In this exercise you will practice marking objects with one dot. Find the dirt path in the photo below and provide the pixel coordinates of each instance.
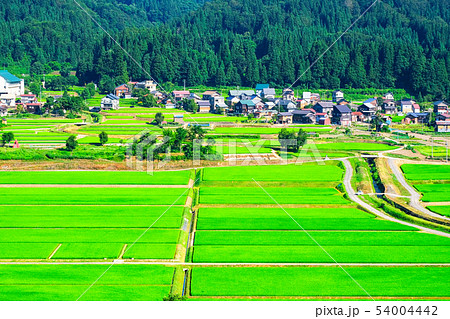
(415, 196)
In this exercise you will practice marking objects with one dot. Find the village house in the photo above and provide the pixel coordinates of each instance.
(306, 116)
(260, 88)
(307, 97)
(409, 106)
(169, 105)
(284, 118)
(204, 106)
(389, 97)
(122, 91)
(416, 118)
(324, 107)
(337, 96)
(268, 93)
(216, 101)
(323, 119)
(178, 118)
(288, 94)
(148, 84)
(358, 117)
(3, 111)
(34, 108)
(440, 107)
(286, 105)
(389, 107)
(158, 95)
(315, 98)
(245, 107)
(302, 103)
(28, 98)
(239, 93)
(11, 87)
(368, 109)
(181, 95)
(110, 102)
(342, 115)
(442, 123)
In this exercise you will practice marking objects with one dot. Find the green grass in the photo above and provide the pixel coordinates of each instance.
(298, 173)
(320, 281)
(88, 251)
(95, 177)
(26, 250)
(314, 254)
(419, 172)
(234, 212)
(326, 238)
(224, 149)
(270, 195)
(84, 196)
(307, 223)
(434, 192)
(264, 130)
(355, 147)
(68, 282)
(87, 235)
(150, 251)
(96, 140)
(143, 110)
(443, 210)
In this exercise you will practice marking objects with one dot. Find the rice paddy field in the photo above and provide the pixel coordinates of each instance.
(295, 214)
(433, 182)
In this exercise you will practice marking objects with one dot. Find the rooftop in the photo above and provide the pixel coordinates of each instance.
(9, 77)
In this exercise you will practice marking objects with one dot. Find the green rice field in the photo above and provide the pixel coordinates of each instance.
(355, 147)
(68, 282)
(420, 172)
(95, 177)
(443, 210)
(320, 281)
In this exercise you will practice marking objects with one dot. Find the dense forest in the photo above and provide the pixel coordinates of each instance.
(398, 43)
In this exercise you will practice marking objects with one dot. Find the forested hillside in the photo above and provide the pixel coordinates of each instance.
(398, 43)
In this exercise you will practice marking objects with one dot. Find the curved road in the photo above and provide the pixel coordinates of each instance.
(415, 196)
(356, 199)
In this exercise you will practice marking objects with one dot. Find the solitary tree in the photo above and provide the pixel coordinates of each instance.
(159, 118)
(103, 136)
(71, 143)
(7, 137)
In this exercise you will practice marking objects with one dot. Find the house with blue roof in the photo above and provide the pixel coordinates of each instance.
(11, 88)
(260, 88)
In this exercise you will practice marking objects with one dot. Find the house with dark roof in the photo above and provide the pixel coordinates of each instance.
(324, 107)
(440, 107)
(306, 116)
(389, 107)
(3, 111)
(204, 106)
(416, 118)
(367, 109)
(286, 105)
(245, 107)
(342, 115)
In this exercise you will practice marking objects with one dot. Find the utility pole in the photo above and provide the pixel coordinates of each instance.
(446, 151)
(432, 153)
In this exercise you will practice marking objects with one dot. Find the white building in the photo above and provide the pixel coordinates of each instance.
(11, 87)
(337, 96)
(149, 85)
(110, 102)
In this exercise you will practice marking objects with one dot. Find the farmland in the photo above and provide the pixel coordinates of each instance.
(316, 281)
(242, 223)
(68, 282)
(433, 181)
